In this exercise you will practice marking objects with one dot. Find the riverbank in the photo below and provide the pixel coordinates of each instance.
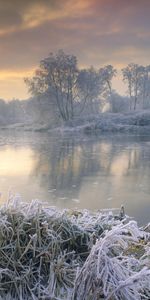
(137, 122)
(46, 253)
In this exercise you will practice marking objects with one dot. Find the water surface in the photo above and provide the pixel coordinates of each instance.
(93, 172)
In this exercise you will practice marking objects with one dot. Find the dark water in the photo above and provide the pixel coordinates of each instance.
(78, 171)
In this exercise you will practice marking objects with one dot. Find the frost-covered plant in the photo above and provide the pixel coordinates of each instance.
(110, 274)
(50, 254)
(42, 247)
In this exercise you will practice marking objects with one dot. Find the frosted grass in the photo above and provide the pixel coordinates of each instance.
(46, 253)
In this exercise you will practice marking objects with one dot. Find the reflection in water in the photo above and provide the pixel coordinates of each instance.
(79, 171)
(62, 166)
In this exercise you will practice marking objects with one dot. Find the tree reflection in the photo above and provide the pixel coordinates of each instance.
(98, 172)
(61, 165)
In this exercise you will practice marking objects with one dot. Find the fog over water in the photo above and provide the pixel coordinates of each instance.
(93, 172)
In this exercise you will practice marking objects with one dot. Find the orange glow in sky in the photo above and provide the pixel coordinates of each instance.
(98, 32)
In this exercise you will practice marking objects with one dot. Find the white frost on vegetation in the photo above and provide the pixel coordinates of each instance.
(109, 273)
(50, 254)
(137, 122)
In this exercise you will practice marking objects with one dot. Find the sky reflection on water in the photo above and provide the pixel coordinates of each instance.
(80, 171)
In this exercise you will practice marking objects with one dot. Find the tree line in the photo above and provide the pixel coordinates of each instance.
(61, 91)
(71, 90)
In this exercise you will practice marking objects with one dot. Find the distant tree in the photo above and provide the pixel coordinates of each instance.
(127, 78)
(107, 73)
(90, 86)
(120, 103)
(3, 112)
(14, 110)
(145, 86)
(133, 75)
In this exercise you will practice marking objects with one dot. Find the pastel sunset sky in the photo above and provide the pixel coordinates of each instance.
(98, 32)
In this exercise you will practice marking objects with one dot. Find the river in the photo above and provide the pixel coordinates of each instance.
(93, 172)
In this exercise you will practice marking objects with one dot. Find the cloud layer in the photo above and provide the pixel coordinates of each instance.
(99, 32)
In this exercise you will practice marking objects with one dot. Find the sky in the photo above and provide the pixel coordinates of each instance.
(98, 32)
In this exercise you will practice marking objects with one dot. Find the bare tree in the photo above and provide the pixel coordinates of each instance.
(107, 73)
(90, 87)
(133, 75)
(145, 86)
(59, 78)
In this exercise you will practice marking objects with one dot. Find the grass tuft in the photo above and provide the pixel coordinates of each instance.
(43, 251)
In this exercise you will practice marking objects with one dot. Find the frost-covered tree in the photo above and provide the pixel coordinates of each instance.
(145, 86)
(90, 86)
(59, 78)
(107, 73)
(119, 103)
(133, 75)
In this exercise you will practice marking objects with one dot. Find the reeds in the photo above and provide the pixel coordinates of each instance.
(45, 253)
